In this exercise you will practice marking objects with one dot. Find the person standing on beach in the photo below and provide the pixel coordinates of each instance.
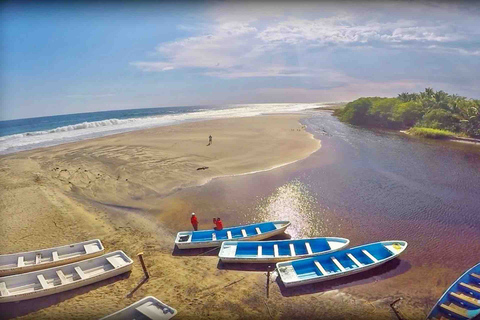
(209, 140)
(219, 224)
(194, 221)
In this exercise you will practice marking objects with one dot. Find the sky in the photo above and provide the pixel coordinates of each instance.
(61, 57)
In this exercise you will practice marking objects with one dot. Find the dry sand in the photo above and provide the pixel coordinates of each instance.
(101, 188)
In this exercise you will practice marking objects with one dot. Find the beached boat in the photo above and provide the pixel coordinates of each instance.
(339, 264)
(278, 250)
(214, 238)
(147, 308)
(58, 279)
(46, 258)
(462, 299)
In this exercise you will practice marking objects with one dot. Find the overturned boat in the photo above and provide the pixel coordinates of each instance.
(214, 238)
(278, 250)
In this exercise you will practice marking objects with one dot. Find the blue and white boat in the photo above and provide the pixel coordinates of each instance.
(278, 250)
(339, 264)
(462, 298)
(214, 238)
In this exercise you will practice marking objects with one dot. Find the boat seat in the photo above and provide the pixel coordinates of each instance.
(275, 250)
(62, 277)
(244, 233)
(292, 250)
(214, 237)
(80, 273)
(309, 249)
(338, 264)
(470, 287)
(150, 311)
(320, 268)
(43, 282)
(475, 276)
(258, 230)
(368, 254)
(55, 256)
(464, 297)
(38, 258)
(89, 248)
(259, 251)
(453, 310)
(114, 262)
(229, 235)
(3, 289)
(20, 262)
(358, 263)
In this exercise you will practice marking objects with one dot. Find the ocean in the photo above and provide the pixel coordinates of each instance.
(26, 134)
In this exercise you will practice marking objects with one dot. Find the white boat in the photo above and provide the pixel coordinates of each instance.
(278, 250)
(214, 238)
(22, 262)
(62, 278)
(339, 264)
(147, 308)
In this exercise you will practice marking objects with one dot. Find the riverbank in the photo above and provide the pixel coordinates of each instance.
(439, 135)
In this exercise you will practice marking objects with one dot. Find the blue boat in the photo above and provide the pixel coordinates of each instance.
(339, 264)
(462, 299)
(214, 238)
(278, 250)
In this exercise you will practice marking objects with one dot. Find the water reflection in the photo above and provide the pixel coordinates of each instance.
(293, 202)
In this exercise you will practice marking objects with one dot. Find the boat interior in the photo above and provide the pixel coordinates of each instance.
(233, 233)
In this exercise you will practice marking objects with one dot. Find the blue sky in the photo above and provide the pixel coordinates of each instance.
(60, 58)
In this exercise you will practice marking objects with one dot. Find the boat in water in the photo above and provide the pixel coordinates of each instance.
(461, 300)
(22, 262)
(214, 238)
(146, 308)
(62, 278)
(278, 250)
(339, 264)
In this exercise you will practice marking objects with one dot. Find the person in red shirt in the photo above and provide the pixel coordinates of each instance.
(219, 224)
(194, 221)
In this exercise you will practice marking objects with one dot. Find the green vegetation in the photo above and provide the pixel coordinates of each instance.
(431, 133)
(429, 109)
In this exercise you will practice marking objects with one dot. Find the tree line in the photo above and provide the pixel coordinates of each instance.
(428, 109)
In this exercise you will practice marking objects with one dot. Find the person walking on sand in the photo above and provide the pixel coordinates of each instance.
(209, 140)
(194, 221)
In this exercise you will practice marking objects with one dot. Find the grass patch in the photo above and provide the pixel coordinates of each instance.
(431, 133)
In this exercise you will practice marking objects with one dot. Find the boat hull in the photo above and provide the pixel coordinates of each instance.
(281, 226)
(148, 306)
(278, 250)
(323, 268)
(53, 286)
(9, 263)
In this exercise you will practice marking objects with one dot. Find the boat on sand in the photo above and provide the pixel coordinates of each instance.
(461, 300)
(339, 264)
(214, 238)
(22, 262)
(62, 278)
(146, 308)
(278, 250)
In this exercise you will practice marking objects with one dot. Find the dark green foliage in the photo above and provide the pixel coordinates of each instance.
(431, 109)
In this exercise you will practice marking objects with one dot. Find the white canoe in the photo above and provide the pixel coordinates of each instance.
(147, 308)
(339, 264)
(214, 238)
(22, 262)
(278, 250)
(58, 279)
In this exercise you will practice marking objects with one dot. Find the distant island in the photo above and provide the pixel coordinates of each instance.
(432, 114)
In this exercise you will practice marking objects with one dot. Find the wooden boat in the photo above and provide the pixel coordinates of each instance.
(46, 258)
(214, 238)
(462, 299)
(58, 279)
(278, 250)
(146, 308)
(339, 264)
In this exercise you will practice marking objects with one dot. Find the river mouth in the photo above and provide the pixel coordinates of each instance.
(365, 185)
